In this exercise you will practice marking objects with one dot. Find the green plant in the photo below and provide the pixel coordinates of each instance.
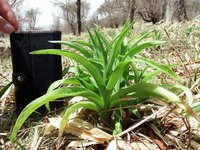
(3, 90)
(191, 30)
(107, 72)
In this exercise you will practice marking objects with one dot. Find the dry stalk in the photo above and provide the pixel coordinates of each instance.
(141, 122)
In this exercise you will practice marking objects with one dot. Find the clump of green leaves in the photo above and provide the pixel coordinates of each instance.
(106, 73)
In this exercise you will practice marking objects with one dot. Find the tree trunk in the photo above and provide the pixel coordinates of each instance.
(78, 3)
(176, 11)
(132, 10)
(164, 9)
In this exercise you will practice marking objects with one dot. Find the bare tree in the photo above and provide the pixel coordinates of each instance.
(176, 10)
(192, 8)
(56, 23)
(78, 3)
(157, 10)
(15, 3)
(116, 12)
(110, 11)
(30, 17)
(152, 10)
(69, 13)
(127, 8)
(132, 8)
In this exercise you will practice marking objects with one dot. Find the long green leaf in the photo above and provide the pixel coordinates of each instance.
(122, 35)
(116, 46)
(186, 90)
(136, 73)
(86, 84)
(94, 71)
(5, 89)
(65, 71)
(97, 62)
(138, 40)
(148, 90)
(150, 75)
(51, 96)
(189, 97)
(101, 47)
(83, 43)
(162, 68)
(54, 86)
(76, 47)
(196, 108)
(82, 104)
(124, 28)
(104, 38)
(142, 46)
(144, 69)
(60, 82)
(96, 49)
(117, 74)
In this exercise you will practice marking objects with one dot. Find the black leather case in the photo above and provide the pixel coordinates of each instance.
(32, 74)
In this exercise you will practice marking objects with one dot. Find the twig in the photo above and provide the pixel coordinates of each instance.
(168, 113)
(1, 75)
(188, 127)
(141, 122)
(35, 139)
(39, 142)
(197, 83)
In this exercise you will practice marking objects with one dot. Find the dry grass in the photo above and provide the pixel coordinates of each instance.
(161, 126)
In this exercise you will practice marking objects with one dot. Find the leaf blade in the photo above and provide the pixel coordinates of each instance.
(162, 68)
(116, 74)
(141, 47)
(5, 89)
(76, 47)
(148, 89)
(51, 96)
(64, 121)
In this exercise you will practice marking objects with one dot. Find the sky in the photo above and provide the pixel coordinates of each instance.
(47, 10)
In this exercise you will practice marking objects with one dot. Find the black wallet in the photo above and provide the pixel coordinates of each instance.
(32, 74)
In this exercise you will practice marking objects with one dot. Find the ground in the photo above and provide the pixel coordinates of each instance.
(161, 126)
